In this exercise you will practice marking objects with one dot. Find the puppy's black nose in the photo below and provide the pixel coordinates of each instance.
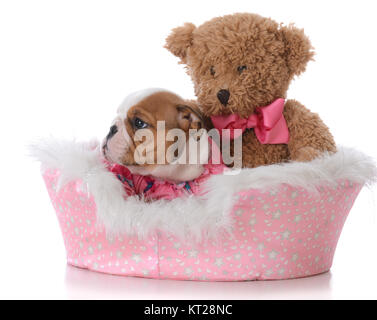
(113, 131)
(223, 96)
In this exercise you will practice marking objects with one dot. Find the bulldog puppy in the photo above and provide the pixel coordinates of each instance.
(127, 143)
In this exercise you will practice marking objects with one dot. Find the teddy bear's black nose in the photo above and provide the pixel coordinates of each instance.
(223, 96)
(113, 131)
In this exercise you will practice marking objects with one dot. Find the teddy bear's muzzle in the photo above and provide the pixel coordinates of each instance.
(223, 96)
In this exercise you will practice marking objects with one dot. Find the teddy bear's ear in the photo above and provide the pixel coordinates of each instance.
(180, 39)
(299, 50)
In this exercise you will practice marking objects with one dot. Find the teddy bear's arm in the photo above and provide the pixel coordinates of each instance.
(309, 136)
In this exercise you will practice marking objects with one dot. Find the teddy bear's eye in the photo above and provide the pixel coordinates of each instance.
(212, 70)
(240, 69)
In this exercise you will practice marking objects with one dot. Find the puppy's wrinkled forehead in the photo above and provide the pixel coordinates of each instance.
(150, 99)
(135, 98)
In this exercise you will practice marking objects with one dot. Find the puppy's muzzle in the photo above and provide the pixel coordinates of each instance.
(117, 142)
(112, 132)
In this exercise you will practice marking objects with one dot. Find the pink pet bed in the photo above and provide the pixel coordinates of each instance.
(276, 222)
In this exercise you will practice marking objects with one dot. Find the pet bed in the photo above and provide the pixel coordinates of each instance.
(275, 222)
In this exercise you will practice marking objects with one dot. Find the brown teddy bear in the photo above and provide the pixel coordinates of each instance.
(241, 66)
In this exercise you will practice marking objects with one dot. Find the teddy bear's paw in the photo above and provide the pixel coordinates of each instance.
(305, 154)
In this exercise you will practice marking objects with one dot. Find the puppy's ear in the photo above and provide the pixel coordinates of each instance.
(179, 40)
(189, 118)
(298, 48)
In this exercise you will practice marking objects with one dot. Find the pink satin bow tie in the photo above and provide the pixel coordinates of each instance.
(268, 122)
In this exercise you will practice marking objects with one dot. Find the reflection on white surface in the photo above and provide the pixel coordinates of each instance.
(84, 284)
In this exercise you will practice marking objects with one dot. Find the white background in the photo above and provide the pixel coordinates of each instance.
(66, 65)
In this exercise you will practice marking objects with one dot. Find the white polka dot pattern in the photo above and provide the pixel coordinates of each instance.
(284, 234)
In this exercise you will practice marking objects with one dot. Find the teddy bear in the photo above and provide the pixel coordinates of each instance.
(241, 66)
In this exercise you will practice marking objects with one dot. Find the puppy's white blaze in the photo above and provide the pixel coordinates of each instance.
(136, 97)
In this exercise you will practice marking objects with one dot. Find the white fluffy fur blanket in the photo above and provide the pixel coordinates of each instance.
(195, 217)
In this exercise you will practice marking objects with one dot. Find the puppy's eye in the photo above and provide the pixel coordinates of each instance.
(212, 70)
(240, 69)
(140, 124)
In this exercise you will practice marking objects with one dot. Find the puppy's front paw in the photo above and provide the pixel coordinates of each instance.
(305, 154)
